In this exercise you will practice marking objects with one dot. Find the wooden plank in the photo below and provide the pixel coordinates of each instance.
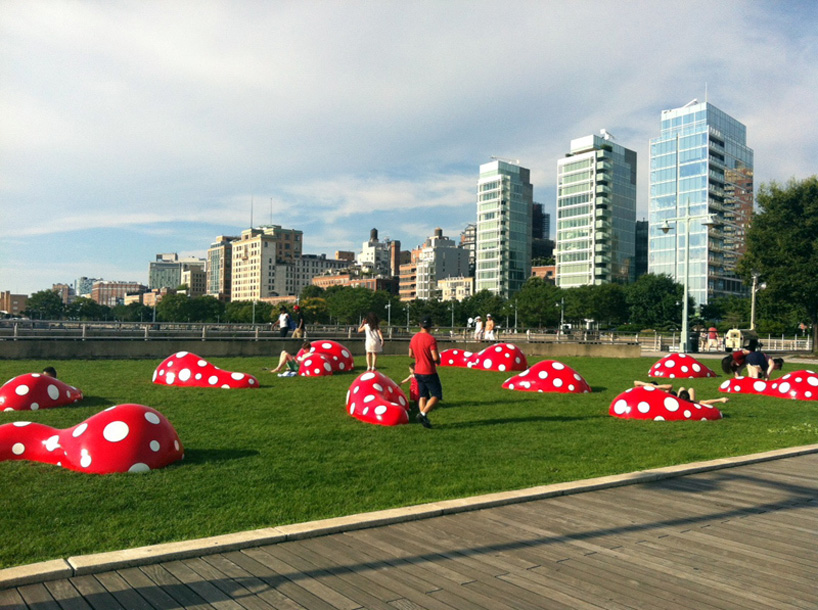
(37, 595)
(154, 593)
(204, 589)
(10, 599)
(225, 584)
(324, 570)
(171, 585)
(555, 592)
(309, 591)
(506, 587)
(116, 586)
(66, 595)
(94, 593)
(261, 589)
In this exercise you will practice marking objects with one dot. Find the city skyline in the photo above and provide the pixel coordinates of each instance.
(136, 128)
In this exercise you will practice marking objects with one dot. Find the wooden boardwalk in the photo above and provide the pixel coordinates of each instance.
(743, 537)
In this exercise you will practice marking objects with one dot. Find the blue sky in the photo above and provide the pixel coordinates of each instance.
(133, 128)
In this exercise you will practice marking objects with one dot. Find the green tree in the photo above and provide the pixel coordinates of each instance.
(537, 304)
(206, 309)
(655, 301)
(312, 292)
(44, 305)
(83, 308)
(174, 308)
(782, 245)
(132, 312)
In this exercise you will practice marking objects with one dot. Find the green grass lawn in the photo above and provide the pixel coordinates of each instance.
(289, 452)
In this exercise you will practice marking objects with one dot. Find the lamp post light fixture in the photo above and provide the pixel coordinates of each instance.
(389, 314)
(708, 220)
(756, 288)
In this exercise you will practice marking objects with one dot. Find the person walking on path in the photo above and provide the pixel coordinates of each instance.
(423, 349)
(298, 333)
(374, 339)
(489, 334)
(478, 329)
(283, 322)
(712, 338)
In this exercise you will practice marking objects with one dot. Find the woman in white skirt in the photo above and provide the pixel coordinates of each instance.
(374, 339)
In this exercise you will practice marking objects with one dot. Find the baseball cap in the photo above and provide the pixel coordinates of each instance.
(426, 322)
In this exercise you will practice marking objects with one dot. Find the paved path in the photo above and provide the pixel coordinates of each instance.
(741, 537)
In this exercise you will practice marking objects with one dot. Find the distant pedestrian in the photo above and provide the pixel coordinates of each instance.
(423, 349)
(299, 331)
(712, 339)
(373, 344)
(478, 328)
(283, 322)
(489, 334)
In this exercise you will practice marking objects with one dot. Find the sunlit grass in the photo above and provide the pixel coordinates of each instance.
(288, 452)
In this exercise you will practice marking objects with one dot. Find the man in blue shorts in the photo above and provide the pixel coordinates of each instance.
(423, 348)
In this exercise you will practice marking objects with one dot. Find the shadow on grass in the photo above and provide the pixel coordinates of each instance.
(204, 456)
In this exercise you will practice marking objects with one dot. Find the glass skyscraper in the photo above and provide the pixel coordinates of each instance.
(505, 199)
(596, 213)
(700, 164)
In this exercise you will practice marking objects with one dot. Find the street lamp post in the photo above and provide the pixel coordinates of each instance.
(389, 314)
(709, 221)
(756, 288)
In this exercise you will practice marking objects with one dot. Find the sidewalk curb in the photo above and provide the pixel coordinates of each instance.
(114, 560)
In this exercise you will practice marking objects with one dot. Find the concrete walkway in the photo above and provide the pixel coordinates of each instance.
(732, 533)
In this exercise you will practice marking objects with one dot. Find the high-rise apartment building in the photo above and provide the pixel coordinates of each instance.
(439, 258)
(166, 270)
(596, 212)
(256, 256)
(505, 200)
(220, 267)
(700, 166)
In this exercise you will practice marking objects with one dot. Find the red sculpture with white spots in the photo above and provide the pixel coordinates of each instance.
(648, 402)
(189, 370)
(375, 399)
(315, 364)
(549, 376)
(798, 385)
(744, 385)
(123, 438)
(339, 356)
(499, 357)
(680, 366)
(34, 391)
(455, 357)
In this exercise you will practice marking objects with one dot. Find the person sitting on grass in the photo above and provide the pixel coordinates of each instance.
(688, 394)
(50, 371)
(287, 361)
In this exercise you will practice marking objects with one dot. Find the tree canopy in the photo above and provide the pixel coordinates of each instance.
(782, 245)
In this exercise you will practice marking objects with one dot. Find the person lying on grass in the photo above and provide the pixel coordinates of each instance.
(685, 394)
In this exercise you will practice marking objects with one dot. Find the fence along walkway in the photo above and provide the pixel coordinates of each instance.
(742, 537)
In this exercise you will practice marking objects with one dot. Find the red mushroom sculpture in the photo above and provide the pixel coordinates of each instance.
(798, 385)
(189, 370)
(549, 376)
(123, 438)
(339, 356)
(315, 364)
(648, 402)
(34, 391)
(500, 357)
(744, 385)
(376, 399)
(680, 366)
(455, 357)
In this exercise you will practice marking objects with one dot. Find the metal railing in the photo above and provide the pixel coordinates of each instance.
(31, 330)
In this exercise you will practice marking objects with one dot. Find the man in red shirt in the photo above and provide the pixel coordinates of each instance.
(423, 348)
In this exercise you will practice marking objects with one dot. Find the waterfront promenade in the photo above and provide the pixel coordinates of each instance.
(736, 533)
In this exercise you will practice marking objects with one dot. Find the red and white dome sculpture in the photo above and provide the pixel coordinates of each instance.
(798, 385)
(123, 438)
(455, 357)
(375, 399)
(680, 366)
(189, 370)
(315, 364)
(548, 376)
(500, 357)
(34, 391)
(648, 402)
(338, 355)
(744, 385)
